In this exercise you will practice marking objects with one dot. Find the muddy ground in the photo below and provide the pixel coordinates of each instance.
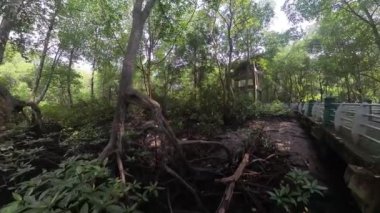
(291, 139)
(284, 144)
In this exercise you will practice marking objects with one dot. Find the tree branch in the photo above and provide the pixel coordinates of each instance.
(351, 10)
(148, 7)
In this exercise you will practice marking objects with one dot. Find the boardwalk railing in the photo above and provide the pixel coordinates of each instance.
(358, 123)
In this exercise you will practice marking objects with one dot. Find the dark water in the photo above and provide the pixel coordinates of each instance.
(338, 198)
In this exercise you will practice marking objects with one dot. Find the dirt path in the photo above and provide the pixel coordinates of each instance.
(290, 138)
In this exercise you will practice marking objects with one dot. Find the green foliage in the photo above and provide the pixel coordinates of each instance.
(203, 115)
(275, 108)
(81, 114)
(295, 191)
(16, 73)
(343, 51)
(16, 159)
(244, 108)
(79, 186)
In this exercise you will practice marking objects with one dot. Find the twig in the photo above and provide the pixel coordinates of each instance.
(238, 172)
(169, 203)
(228, 193)
(260, 159)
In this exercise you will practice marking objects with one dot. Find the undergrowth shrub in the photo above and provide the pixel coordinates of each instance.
(296, 190)
(79, 186)
(81, 114)
(275, 108)
(202, 114)
(206, 114)
(241, 109)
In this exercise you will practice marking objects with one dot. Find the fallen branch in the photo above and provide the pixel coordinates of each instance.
(228, 193)
(261, 159)
(231, 180)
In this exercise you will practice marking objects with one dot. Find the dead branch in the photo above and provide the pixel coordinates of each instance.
(231, 180)
(262, 160)
(228, 193)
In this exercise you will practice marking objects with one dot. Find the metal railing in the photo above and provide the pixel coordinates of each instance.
(317, 111)
(360, 122)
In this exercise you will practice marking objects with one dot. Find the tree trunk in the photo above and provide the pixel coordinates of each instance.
(127, 95)
(195, 73)
(349, 99)
(140, 15)
(149, 62)
(253, 81)
(93, 79)
(230, 52)
(7, 23)
(5, 29)
(109, 97)
(44, 51)
(71, 59)
(53, 66)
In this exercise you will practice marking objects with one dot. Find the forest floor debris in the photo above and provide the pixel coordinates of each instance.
(232, 172)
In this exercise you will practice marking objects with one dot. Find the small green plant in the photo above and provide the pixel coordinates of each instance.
(295, 191)
(79, 186)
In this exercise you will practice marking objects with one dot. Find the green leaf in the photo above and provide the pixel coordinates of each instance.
(11, 207)
(115, 209)
(271, 194)
(16, 196)
(84, 208)
(42, 195)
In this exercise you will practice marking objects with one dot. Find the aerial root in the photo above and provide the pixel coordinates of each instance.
(190, 188)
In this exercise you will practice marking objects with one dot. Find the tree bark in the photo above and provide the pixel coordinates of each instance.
(93, 80)
(52, 69)
(228, 89)
(149, 62)
(195, 73)
(71, 59)
(7, 23)
(140, 15)
(44, 51)
(5, 29)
